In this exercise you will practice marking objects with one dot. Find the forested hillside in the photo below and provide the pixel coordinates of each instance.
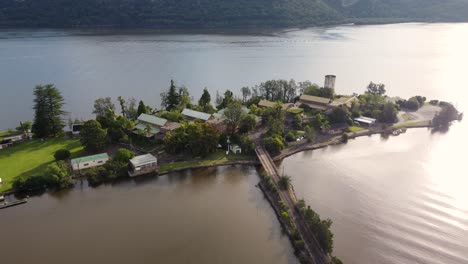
(222, 13)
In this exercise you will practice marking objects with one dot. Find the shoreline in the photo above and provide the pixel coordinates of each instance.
(287, 152)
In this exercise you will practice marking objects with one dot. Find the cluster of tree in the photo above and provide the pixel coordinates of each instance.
(320, 228)
(341, 115)
(57, 175)
(48, 111)
(198, 139)
(413, 103)
(114, 169)
(274, 118)
(374, 104)
(444, 118)
(309, 88)
(108, 126)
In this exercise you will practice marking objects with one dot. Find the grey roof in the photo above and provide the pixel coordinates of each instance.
(90, 158)
(152, 119)
(196, 114)
(143, 159)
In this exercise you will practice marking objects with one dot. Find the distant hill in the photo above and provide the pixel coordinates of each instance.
(402, 10)
(222, 13)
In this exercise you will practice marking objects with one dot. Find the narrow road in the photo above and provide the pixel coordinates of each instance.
(311, 244)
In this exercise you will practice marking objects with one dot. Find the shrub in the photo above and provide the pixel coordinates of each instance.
(290, 136)
(284, 182)
(123, 155)
(56, 175)
(62, 154)
(344, 138)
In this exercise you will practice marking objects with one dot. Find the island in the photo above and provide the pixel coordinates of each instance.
(258, 126)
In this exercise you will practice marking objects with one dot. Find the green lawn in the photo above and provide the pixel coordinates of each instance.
(216, 158)
(355, 128)
(411, 124)
(296, 111)
(32, 157)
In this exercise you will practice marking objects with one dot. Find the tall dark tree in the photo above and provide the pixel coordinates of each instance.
(205, 98)
(122, 105)
(48, 107)
(141, 108)
(170, 100)
(228, 98)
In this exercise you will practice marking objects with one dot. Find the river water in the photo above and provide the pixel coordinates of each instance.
(410, 59)
(393, 200)
(203, 216)
(396, 200)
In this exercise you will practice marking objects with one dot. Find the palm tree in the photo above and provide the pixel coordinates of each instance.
(148, 130)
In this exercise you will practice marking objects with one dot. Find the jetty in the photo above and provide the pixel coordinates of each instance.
(14, 203)
(312, 246)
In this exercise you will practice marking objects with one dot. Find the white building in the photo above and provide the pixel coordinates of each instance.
(89, 161)
(235, 149)
(362, 120)
(143, 164)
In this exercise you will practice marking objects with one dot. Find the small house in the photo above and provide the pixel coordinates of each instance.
(192, 115)
(236, 149)
(143, 164)
(149, 125)
(89, 161)
(267, 104)
(362, 120)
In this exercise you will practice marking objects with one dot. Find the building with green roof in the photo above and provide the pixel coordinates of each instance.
(89, 161)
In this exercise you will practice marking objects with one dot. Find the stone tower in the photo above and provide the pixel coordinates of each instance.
(330, 82)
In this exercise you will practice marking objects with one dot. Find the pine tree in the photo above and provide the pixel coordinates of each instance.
(205, 99)
(141, 108)
(48, 104)
(172, 97)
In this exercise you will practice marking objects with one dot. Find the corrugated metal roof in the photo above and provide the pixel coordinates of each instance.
(315, 99)
(142, 127)
(143, 159)
(196, 114)
(364, 119)
(266, 103)
(90, 158)
(152, 119)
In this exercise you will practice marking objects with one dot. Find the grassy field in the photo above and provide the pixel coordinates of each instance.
(32, 157)
(355, 129)
(412, 124)
(216, 158)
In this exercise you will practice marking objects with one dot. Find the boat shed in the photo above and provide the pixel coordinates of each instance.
(89, 161)
(365, 120)
(143, 164)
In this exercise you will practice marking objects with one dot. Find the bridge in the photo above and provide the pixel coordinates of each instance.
(312, 246)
